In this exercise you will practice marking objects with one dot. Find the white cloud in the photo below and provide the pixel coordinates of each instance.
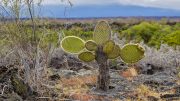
(169, 4)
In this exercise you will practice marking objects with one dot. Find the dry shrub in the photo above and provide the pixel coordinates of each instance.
(166, 56)
(31, 58)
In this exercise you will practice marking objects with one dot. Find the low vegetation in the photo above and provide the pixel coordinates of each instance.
(26, 59)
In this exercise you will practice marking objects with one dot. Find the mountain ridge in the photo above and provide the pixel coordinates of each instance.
(93, 11)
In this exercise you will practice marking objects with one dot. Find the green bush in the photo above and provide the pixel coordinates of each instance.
(173, 38)
(85, 35)
(153, 34)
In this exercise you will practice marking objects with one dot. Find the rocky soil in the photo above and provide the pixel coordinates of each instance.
(70, 79)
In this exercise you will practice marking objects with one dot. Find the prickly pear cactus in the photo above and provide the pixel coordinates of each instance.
(131, 53)
(72, 44)
(102, 32)
(108, 47)
(91, 45)
(115, 52)
(102, 48)
(86, 56)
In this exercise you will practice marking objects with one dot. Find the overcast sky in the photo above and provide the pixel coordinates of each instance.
(169, 4)
(109, 8)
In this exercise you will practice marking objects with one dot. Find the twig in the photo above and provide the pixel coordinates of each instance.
(29, 3)
(2, 92)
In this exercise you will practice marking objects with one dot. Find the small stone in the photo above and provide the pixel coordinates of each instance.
(83, 72)
(67, 73)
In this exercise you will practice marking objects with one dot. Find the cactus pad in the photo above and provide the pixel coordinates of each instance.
(102, 32)
(115, 53)
(72, 44)
(132, 53)
(86, 56)
(108, 47)
(91, 45)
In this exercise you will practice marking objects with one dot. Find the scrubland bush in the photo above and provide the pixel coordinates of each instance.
(153, 34)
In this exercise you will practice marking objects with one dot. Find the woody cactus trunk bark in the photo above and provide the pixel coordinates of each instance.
(103, 79)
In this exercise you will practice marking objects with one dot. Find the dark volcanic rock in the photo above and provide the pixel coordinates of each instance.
(117, 65)
(170, 96)
(55, 77)
(151, 69)
(177, 88)
(56, 63)
(152, 98)
(20, 87)
(68, 62)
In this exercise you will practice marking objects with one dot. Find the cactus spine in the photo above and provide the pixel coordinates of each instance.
(101, 49)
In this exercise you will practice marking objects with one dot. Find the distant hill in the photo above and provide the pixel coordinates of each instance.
(93, 11)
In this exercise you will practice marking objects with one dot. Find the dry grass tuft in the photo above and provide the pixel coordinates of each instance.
(144, 91)
(130, 73)
(79, 81)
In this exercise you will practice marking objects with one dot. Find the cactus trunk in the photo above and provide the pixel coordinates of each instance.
(103, 80)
